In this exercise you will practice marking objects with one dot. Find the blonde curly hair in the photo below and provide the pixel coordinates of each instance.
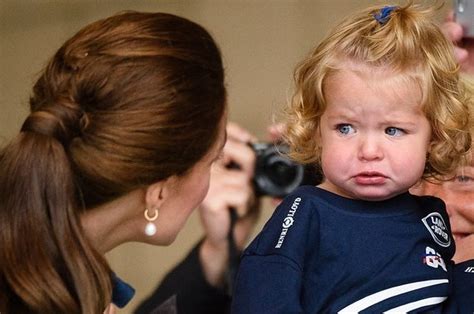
(410, 44)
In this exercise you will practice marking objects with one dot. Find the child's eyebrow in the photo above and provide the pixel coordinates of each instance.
(343, 114)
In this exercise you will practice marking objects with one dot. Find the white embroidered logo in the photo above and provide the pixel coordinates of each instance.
(433, 259)
(469, 270)
(437, 227)
(288, 222)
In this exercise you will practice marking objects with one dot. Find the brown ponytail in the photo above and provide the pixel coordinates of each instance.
(44, 253)
(126, 102)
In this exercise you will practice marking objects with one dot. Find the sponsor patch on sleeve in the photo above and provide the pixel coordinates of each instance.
(438, 229)
(288, 222)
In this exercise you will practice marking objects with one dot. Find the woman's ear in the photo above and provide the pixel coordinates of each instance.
(158, 192)
(154, 194)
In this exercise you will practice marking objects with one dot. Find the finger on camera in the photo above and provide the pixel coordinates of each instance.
(242, 155)
(226, 186)
(238, 201)
(212, 207)
(241, 198)
(244, 205)
(232, 179)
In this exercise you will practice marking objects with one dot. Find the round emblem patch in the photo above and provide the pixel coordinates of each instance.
(435, 224)
(287, 222)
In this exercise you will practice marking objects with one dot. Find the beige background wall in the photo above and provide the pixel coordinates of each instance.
(261, 41)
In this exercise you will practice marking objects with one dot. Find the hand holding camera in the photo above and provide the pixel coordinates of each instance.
(246, 171)
(229, 188)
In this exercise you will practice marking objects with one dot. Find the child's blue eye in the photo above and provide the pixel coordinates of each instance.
(345, 129)
(393, 131)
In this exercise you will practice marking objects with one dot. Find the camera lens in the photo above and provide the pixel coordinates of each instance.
(280, 172)
(275, 174)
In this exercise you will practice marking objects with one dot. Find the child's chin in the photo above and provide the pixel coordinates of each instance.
(374, 196)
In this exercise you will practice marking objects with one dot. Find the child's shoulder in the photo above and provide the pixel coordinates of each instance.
(300, 202)
(289, 227)
(429, 199)
(307, 200)
(430, 203)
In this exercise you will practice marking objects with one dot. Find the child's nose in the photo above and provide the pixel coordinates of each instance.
(370, 149)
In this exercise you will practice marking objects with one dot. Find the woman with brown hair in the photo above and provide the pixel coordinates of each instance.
(126, 120)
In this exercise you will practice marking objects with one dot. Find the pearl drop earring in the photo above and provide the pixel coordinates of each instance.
(150, 228)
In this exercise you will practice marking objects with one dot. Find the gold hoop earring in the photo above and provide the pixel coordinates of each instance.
(150, 228)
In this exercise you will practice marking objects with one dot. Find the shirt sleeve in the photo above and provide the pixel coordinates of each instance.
(270, 275)
(267, 284)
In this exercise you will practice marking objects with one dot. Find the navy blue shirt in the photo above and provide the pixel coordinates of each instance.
(322, 253)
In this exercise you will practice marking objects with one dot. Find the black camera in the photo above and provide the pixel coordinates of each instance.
(276, 175)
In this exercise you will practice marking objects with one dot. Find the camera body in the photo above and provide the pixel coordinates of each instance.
(464, 15)
(276, 175)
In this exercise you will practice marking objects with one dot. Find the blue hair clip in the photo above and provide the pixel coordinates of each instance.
(384, 15)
